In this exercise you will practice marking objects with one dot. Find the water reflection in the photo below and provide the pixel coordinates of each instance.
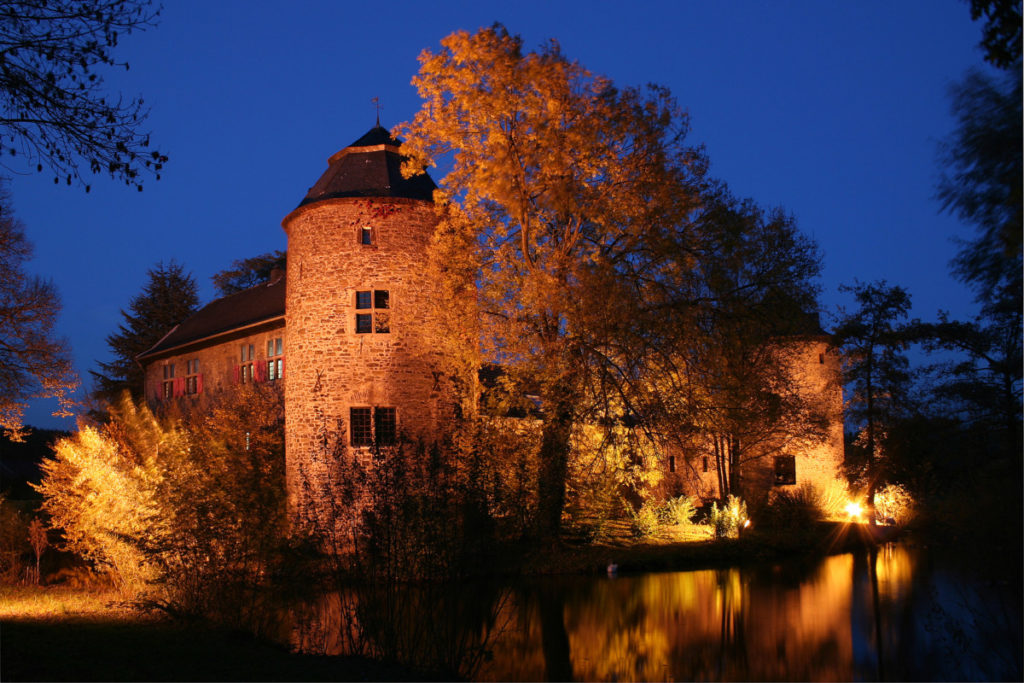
(890, 614)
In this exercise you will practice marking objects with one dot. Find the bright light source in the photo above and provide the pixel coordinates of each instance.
(853, 509)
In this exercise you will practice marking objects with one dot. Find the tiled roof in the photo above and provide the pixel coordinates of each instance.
(251, 306)
(369, 167)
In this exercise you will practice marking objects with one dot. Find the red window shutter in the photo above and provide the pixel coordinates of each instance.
(260, 371)
(199, 384)
(179, 387)
(237, 374)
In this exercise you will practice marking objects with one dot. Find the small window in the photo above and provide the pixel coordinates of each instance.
(385, 426)
(377, 317)
(168, 381)
(361, 427)
(785, 470)
(704, 463)
(248, 354)
(366, 235)
(193, 384)
(275, 359)
(671, 463)
(821, 358)
(368, 425)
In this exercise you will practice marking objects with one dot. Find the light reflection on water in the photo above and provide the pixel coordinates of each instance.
(887, 615)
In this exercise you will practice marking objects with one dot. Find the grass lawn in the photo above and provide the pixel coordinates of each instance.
(65, 634)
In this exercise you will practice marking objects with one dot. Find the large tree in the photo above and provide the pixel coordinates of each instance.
(757, 306)
(558, 182)
(54, 108)
(574, 222)
(167, 298)
(34, 363)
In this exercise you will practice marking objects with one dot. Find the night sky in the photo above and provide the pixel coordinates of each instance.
(832, 110)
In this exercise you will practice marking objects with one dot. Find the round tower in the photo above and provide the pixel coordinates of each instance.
(360, 366)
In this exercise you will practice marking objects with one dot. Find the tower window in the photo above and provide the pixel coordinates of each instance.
(366, 235)
(785, 470)
(704, 463)
(368, 424)
(671, 463)
(821, 358)
(373, 312)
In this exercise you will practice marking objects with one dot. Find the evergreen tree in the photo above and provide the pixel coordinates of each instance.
(169, 297)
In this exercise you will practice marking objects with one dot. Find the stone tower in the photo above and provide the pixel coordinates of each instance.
(361, 366)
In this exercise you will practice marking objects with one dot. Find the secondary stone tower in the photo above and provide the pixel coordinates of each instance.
(361, 365)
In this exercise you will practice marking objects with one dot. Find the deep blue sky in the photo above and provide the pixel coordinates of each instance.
(831, 110)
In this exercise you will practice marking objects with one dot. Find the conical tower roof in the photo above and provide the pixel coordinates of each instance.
(369, 167)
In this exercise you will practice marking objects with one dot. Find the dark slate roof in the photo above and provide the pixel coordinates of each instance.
(248, 307)
(369, 167)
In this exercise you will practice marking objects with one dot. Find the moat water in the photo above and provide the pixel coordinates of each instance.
(898, 613)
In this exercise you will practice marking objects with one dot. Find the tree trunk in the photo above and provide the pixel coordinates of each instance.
(554, 465)
(735, 485)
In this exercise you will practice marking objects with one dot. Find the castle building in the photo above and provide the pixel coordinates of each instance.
(346, 327)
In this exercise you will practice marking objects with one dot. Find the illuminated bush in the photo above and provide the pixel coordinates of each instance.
(729, 519)
(894, 503)
(679, 510)
(184, 510)
(645, 521)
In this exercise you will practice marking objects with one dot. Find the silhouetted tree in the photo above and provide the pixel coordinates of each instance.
(55, 112)
(34, 363)
(249, 272)
(873, 340)
(167, 298)
(1002, 33)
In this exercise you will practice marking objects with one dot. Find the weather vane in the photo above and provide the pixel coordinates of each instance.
(376, 103)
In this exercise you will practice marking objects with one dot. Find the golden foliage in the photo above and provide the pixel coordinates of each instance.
(173, 507)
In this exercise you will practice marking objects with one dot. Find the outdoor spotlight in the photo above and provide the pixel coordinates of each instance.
(853, 509)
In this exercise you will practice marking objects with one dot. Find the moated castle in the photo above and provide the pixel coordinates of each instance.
(345, 330)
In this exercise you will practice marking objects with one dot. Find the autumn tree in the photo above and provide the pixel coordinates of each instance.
(873, 340)
(167, 299)
(34, 362)
(248, 272)
(577, 232)
(559, 181)
(56, 112)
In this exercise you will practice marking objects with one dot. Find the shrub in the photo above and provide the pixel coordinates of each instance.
(729, 519)
(183, 512)
(894, 503)
(679, 510)
(645, 520)
(13, 541)
(799, 507)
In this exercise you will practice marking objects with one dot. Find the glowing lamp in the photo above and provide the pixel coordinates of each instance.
(853, 509)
